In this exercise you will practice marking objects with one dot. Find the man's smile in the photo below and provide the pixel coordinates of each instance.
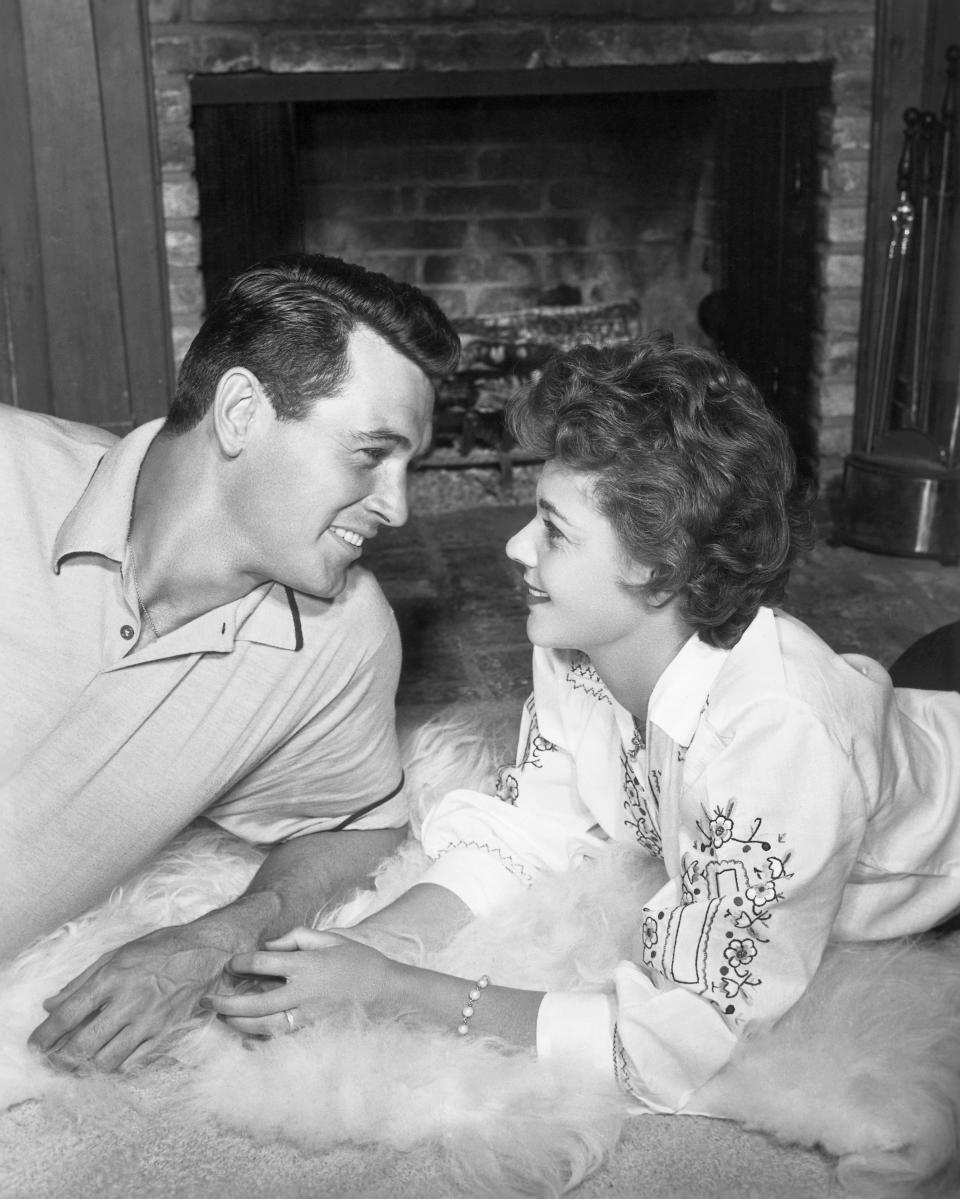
(348, 535)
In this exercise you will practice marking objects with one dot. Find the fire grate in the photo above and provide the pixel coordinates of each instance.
(504, 351)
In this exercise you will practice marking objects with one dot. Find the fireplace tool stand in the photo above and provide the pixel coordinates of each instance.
(901, 491)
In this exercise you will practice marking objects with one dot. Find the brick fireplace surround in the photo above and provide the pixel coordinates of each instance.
(191, 37)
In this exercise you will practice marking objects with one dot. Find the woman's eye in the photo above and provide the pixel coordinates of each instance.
(375, 453)
(551, 530)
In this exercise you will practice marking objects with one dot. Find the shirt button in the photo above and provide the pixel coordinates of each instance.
(126, 631)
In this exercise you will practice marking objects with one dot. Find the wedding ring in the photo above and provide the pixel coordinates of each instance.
(288, 1012)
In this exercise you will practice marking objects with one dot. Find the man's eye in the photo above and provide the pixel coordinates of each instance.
(375, 453)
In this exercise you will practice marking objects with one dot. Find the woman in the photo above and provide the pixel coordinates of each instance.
(793, 795)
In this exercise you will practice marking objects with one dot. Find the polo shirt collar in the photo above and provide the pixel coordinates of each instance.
(268, 615)
(99, 524)
(273, 619)
(99, 521)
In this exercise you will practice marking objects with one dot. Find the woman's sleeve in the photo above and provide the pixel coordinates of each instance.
(487, 848)
(764, 841)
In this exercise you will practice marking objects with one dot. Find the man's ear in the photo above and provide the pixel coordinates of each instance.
(238, 402)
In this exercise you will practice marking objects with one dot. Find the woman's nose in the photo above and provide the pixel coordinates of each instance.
(520, 547)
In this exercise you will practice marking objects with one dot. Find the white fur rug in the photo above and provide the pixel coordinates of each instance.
(866, 1067)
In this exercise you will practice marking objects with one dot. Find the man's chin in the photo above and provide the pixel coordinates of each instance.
(329, 588)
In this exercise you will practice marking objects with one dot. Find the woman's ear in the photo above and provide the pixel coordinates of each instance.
(660, 599)
(636, 574)
(639, 575)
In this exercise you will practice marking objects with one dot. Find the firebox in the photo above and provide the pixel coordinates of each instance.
(540, 208)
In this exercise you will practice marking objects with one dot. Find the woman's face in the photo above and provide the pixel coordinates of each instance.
(574, 571)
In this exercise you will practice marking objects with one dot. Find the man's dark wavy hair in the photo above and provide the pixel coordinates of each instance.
(695, 474)
(288, 320)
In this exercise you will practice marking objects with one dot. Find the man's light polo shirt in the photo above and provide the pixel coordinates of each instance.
(273, 715)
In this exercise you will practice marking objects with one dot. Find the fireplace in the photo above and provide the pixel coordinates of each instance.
(709, 171)
(690, 196)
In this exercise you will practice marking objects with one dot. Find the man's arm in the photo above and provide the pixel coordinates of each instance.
(119, 1009)
(299, 878)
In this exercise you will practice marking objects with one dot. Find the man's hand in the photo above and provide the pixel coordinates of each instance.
(116, 1013)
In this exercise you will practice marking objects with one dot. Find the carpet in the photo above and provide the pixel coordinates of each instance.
(856, 1091)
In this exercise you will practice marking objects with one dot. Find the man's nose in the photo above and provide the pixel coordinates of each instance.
(389, 502)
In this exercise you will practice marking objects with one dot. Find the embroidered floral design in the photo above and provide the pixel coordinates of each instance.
(733, 987)
(650, 932)
(536, 745)
(638, 742)
(690, 876)
(721, 830)
(638, 817)
(507, 786)
(716, 828)
(583, 677)
(653, 786)
(736, 976)
(713, 942)
(739, 953)
(762, 893)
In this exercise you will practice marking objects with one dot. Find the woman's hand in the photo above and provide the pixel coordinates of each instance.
(310, 974)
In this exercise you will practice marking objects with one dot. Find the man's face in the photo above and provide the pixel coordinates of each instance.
(312, 491)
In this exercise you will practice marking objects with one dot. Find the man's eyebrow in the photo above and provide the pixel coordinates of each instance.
(368, 436)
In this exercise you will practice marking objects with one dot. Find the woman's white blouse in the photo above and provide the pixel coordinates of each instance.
(794, 797)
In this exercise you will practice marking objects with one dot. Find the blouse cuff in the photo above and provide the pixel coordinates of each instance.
(575, 1030)
(480, 878)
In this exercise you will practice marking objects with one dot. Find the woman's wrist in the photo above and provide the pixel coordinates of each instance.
(429, 997)
(423, 996)
(410, 988)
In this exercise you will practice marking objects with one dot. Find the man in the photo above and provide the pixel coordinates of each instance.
(183, 632)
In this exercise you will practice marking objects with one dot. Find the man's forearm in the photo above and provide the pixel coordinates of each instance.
(298, 879)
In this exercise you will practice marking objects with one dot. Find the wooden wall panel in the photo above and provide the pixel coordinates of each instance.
(24, 366)
(88, 188)
(84, 328)
(133, 169)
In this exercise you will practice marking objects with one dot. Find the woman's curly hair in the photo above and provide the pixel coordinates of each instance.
(695, 474)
